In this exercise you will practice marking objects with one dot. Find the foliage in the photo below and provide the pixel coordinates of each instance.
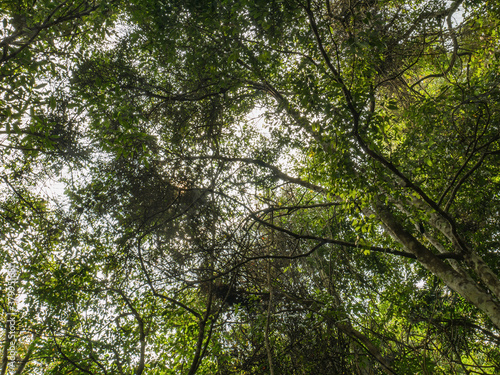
(251, 186)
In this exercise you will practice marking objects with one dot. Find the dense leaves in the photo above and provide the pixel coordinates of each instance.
(250, 187)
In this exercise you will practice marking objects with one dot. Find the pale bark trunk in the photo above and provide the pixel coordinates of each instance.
(483, 271)
(464, 286)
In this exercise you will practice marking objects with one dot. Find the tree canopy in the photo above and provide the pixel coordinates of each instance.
(282, 187)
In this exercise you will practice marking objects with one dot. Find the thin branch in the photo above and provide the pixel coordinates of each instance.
(336, 74)
(449, 13)
(160, 295)
(462, 180)
(142, 336)
(348, 244)
(276, 171)
(65, 357)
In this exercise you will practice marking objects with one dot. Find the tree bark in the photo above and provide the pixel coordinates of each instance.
(464, 286)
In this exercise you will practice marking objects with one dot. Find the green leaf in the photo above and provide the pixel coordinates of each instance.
(52, 102)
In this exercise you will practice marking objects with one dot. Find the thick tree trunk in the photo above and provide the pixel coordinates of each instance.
(464, 286)
(482, 270)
